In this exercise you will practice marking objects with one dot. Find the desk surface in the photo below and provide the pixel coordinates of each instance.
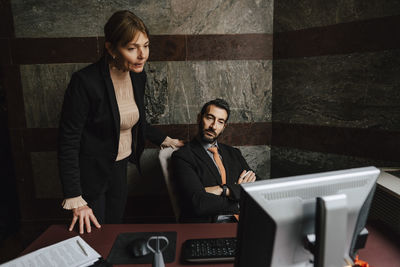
(379, 251)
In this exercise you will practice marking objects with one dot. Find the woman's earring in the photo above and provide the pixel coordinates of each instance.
(113, 57)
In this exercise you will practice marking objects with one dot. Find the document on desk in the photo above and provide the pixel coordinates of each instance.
(73, 252)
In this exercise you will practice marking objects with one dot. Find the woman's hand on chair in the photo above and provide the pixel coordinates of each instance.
(169, 142)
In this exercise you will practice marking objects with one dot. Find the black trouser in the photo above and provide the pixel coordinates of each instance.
(109, 207)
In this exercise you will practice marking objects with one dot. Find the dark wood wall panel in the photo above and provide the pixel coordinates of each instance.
(230, 47)
(368, 143)
(5, 58)
(163, 48)
(168, 48)
(358, 36)
(54, 50)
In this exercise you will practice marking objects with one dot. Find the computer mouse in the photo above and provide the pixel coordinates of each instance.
(138, 247)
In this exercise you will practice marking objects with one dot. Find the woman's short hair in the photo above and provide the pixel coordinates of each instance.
(122, 27)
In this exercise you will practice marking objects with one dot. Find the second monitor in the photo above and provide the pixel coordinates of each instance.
(307, 220)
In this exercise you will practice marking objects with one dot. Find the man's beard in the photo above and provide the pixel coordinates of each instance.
(207, 139)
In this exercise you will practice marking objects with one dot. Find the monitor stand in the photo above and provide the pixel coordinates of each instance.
(330, 230)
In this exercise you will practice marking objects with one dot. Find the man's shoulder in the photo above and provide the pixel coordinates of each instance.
(183, 151)
(230, 151)
(228, 148)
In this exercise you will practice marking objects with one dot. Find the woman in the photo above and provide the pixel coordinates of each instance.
(103, 125)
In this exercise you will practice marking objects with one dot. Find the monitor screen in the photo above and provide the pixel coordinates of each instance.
(281, 218)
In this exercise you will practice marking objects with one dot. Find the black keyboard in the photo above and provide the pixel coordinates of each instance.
(209, 250)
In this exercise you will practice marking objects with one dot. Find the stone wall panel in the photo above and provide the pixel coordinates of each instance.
(38, 18)
(355, 90)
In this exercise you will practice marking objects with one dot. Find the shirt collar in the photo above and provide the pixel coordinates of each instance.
(206, 145)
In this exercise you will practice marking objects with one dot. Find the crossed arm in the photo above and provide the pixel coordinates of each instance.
(243, 178)
(206, 200)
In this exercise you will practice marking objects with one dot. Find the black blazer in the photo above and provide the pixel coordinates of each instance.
(193, 169)
(90, 127)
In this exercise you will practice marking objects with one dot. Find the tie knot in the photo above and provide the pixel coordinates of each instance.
(213, 150)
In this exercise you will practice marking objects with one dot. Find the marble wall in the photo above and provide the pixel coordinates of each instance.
(351, 82)
(39, 18)
(288, 161)
(343, 90)
(176, 90)
(353, 90)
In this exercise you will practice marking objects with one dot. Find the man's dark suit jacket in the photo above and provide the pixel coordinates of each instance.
(90, 127)
(193, 169)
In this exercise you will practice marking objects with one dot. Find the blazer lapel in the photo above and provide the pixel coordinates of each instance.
(111, 95)
(202, 154)
(138, 93)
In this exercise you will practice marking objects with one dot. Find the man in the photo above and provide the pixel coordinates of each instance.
(208, 179)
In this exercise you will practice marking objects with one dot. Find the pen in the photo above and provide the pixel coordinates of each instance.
(83, 249)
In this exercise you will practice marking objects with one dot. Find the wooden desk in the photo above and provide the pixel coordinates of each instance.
(102, 239)
(379, 251)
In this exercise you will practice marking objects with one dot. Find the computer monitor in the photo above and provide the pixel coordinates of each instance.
(279, 219)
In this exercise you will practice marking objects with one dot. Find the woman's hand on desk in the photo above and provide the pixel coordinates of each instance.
(85, 216)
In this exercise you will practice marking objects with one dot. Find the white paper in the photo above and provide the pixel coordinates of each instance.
(66, 253)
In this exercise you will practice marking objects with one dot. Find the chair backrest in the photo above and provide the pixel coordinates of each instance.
(165, 159)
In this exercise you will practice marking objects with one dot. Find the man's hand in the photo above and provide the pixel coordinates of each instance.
(249, 178)
(216, 190)
(85, 215)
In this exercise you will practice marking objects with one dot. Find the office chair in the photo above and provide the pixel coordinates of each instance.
(165, 160)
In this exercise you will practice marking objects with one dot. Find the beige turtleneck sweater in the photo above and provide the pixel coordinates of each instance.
(128, 110)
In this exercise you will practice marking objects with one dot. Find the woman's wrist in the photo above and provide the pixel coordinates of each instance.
(73, 203)
(170, 142)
